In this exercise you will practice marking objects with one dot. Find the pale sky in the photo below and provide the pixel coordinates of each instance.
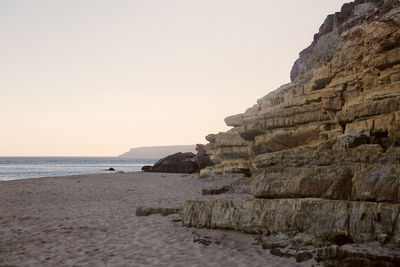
(96, 78)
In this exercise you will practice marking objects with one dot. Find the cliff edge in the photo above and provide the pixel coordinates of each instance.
(322, 151)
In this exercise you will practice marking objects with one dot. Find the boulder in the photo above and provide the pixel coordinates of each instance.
(234, 120)
(182, 162)
(146, 168)
(176, 163)
(352, 140)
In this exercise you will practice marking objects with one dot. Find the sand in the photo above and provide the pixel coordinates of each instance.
(89, 220)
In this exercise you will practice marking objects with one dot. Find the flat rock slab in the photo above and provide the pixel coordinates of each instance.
(331, 220)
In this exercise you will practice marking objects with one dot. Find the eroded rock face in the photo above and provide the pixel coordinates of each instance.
(354, 89)
(351, 15)
(327, 219)
(323, 151)
(229, 151)
(364, 173)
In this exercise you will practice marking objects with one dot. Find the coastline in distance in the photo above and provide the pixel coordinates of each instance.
(155, 152)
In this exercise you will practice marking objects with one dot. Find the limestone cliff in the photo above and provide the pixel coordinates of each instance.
(322, 150)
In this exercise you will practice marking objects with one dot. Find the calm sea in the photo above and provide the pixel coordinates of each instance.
(12, 168)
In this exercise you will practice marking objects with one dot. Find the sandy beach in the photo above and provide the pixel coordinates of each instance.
(89, 220)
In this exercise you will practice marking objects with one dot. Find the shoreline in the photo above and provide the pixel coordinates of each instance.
(72, 176)
(40, 167)
(90, 220)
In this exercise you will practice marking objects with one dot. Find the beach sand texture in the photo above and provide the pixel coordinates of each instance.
(89, 220)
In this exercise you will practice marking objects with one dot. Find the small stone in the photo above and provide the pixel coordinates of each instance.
(146, 211)
(305, 239)
(383, 238)
(303, 256)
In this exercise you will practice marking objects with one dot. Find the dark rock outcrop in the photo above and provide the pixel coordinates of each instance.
(202, 159)
(176, 163)
(146, 168)
(182, 162)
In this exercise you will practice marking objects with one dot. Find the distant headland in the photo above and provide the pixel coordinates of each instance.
(156, 152)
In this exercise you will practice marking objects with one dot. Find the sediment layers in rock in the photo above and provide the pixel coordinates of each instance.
(358, 88)
(229, 151)
(365, 173)
(350, 79)
(327, 219)
(329, 135)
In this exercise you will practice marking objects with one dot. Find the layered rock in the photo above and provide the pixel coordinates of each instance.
(229, 151)
(322, 150)
(365, 173)
(328, 219)
(351, 14)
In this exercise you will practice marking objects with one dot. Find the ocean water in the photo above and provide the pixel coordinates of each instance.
(12, 168)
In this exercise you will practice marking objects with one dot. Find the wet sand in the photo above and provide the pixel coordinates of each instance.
(89, 220)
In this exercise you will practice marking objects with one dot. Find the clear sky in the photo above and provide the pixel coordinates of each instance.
(96, 77)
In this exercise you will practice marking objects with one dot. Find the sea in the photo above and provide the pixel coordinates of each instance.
(13, 168)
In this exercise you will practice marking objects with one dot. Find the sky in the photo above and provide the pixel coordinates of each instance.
(96, 77)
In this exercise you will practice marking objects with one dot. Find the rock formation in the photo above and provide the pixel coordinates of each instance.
(182, 162)
(229, 151)
(322, 150)
(175, 163)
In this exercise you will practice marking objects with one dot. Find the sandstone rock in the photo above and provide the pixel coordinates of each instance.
(234, 120)
(355, 256)
(146, 211)
(215, 191)
(210, 138)
(377, 183)
(331, 220)
(305, 239)
(299, 256)
(229, 151)
(351, 140)
(333, 96)
(323, 151)
(294, 182)
(363, 173)
(394, 133)
(351, 15)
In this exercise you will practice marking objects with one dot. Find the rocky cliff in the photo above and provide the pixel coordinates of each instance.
(322, 150)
